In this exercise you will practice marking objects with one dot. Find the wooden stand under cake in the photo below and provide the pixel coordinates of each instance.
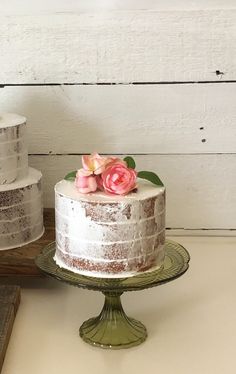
(20, 261)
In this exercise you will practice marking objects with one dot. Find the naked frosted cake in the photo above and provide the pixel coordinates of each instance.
(109, 223)
(21, 209)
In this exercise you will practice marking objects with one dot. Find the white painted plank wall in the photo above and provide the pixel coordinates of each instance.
(116, 119)
(118, 46)
(185, 132)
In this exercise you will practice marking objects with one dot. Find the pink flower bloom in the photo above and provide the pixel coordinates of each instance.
(85, 184)
(112, 160)
(94, 164)
(119, 179)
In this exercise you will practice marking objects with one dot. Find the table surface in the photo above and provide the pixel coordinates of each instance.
(191, 321)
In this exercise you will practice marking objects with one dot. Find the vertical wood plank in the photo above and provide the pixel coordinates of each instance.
(9, 302)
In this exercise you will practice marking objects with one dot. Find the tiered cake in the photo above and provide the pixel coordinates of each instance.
(21, 213)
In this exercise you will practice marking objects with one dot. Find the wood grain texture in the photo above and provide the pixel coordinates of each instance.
(9, 302)
(127, 119)
(118, 46)
(200, 188)
(10, 294)
(20, 261)
(27, 6)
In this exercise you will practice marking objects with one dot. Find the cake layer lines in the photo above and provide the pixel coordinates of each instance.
(13, 147)
(108, 223)
(20, 223)
(23, 237)
(20, 155)
(19, 195)
(115, 250)
(130, 265)
(21, 213)
(8, 134)
(13, 151)
(20, 209)
(108, 235)
(100, 231)
(13, 162)
(110, 257)
(111, 211)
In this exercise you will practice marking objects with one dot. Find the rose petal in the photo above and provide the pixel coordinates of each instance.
(84, 173)
(118, 178)
(85, 184)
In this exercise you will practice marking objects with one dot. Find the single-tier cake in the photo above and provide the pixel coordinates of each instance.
(105, 235)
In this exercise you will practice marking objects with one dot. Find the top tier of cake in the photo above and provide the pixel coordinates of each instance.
(13, 149)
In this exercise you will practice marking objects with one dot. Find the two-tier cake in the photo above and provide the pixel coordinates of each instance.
(21, 212)
(109, 223)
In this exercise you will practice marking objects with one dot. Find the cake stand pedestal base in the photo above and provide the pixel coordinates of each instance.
(112, 328)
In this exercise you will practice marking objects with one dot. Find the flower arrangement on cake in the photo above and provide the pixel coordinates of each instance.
(111, 175)
(110, 221)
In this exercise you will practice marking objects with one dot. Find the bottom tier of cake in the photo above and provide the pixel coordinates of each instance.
(21, 211)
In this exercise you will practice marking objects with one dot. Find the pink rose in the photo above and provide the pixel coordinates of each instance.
(85, 184)
(113, 160)
(94, 164)
(119, 179)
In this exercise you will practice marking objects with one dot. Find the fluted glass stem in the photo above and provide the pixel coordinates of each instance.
(112, 328)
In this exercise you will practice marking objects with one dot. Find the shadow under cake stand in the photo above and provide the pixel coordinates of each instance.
(112, 328)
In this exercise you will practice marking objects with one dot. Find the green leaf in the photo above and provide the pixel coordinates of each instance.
(151, 177)
(70, 176)
(130, 162)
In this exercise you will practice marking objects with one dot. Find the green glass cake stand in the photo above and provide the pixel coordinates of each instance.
(112, 328)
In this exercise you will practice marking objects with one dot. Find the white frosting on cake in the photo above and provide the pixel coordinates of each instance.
(21, 213)
(32, 177)
(110, 235)
(13, 152)
(144, 191)
(11, 120)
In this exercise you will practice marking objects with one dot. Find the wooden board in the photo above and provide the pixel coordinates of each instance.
(9, 302)
(118, 46)
(20, 261)
(127, 119)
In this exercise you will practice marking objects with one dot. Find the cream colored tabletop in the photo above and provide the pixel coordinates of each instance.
(191, 322)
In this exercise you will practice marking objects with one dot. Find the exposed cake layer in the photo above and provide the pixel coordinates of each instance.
(118, 249)
(110, 269)
(21, 214)
(13, 152)
(111, 233)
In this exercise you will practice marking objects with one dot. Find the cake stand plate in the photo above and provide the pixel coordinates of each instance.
(112, 328)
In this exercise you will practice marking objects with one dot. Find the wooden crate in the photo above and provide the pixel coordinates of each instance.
(9, 302)
(20, 261)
